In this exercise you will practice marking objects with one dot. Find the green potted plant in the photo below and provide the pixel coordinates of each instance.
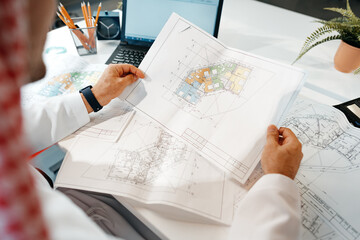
(345, 28)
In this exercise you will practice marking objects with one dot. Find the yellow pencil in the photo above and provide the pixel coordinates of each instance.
(65, 13)
(97, 14)
(66, 23)
(83, 8)
(78, 33)
(90, 15)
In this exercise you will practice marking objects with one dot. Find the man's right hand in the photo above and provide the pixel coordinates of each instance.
(282, 153)
(114, 80)
(112, 83)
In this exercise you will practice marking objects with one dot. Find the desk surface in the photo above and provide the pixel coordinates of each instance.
(260, 29)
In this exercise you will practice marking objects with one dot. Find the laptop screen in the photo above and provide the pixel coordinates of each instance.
(145, 18)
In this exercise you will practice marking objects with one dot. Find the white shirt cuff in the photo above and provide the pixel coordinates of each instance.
(77, 108)
(277, 182)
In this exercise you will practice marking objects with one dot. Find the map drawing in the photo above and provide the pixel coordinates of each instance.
(212, 87)
(208, 92)
(324, 133)
(330, 165)
(70, 76)
(320, 221)
(204, 91)
(211, 95)
(144, 166)
(149, 165)
(68, 83)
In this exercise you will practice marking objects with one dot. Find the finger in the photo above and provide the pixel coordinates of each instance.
(124, 69)
(272, 136)
(288, 135)
(129, 79)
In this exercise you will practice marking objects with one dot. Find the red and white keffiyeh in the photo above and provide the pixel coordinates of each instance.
(20, 211)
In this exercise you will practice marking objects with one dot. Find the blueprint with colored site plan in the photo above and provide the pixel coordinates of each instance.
(217, 99)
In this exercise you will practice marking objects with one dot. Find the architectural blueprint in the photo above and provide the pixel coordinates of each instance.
(329, 171)
(201, 90)
(149, 165)
(219, 100)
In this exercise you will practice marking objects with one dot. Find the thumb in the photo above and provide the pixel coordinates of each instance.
(129, 79)
(272, 135)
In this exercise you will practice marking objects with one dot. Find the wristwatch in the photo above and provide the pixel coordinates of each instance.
(90, 98)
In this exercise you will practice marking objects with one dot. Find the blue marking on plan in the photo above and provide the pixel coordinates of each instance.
(188, 93)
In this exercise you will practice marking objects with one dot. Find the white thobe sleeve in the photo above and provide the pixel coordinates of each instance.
(45, 123)
(270, 210)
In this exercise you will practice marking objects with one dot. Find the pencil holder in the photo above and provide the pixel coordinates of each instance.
(84, 40)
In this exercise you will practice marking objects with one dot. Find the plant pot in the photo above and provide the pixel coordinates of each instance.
(347, 58)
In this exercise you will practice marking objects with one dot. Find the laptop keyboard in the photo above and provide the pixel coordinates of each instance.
(129, 56)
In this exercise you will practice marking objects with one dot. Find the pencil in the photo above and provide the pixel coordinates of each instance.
(83, 39)
(62, 19)
(83, 8)
(65, 13)
(88, 24)
(89, 15)
(97, 14)
(78, 33)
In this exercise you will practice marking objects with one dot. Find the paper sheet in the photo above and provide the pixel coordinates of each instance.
(328, 171)
(109, 123)
(217, 99)
(149, 165)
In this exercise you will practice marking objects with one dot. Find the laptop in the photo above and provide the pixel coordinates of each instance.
(142, 21)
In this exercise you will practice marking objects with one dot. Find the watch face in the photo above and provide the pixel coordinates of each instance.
(108, 28)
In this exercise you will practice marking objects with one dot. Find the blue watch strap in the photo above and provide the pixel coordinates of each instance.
(90, 98)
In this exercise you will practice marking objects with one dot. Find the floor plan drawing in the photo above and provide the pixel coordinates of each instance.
(151, 166)
(323, 132)
(146, 164)
(203, 91)
(329, 167)
(68, 83)
(213, 86)
(214, 97)
(69, 77)
(319, 220)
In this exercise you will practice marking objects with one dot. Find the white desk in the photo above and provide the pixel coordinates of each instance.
(264, 30)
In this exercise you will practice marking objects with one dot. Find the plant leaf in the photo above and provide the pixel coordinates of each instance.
(348, 8)
(330, 38)
(321, 31)
(344, 12)
(347, 30)
(347, 27)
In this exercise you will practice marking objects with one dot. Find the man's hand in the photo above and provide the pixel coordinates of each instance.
(282, 153)
(112, 83)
